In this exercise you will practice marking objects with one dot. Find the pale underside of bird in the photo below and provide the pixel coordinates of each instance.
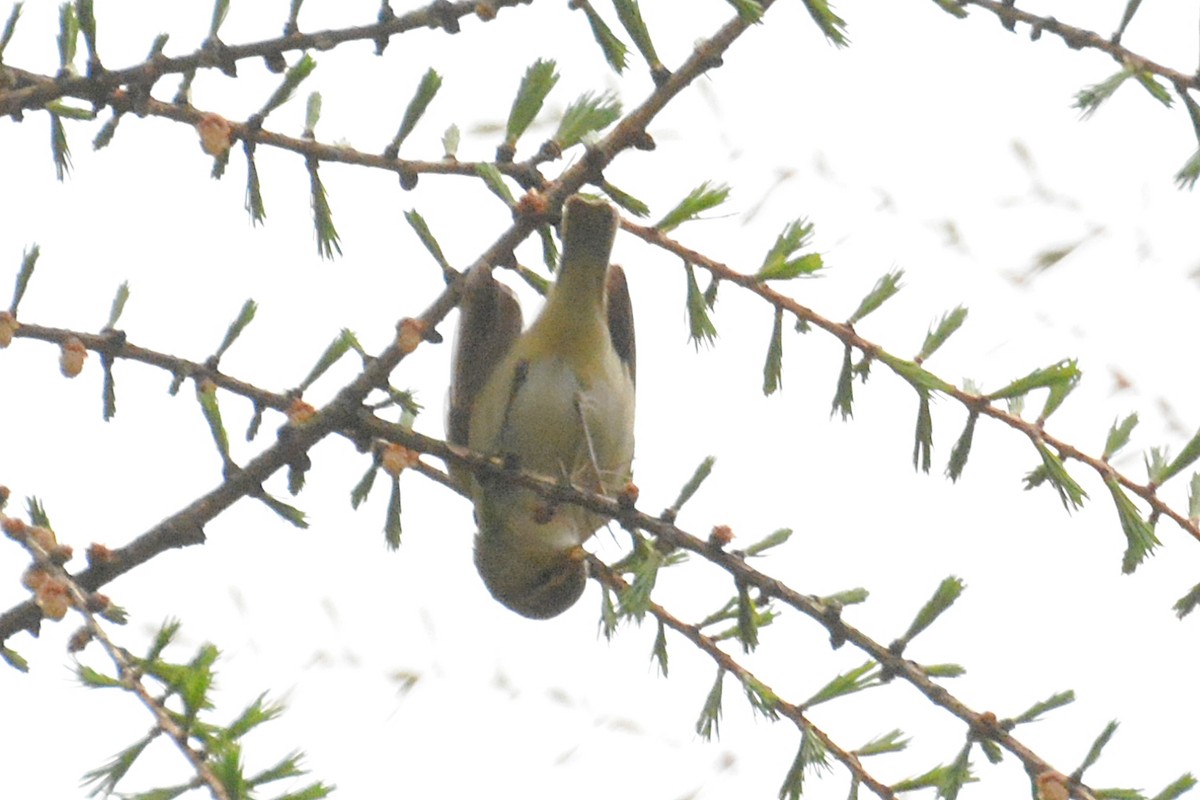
(557, 400)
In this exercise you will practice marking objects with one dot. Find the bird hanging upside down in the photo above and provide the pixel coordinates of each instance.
(557, 400)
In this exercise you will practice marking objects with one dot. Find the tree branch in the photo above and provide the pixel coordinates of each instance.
(32, 91)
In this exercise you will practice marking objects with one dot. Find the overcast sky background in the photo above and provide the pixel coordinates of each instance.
(946, 148)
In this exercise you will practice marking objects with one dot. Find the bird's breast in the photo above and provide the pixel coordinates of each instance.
(575, 411)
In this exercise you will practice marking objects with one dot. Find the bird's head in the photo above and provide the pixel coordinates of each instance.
(536, 582)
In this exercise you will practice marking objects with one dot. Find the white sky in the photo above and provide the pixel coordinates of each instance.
(884, 143)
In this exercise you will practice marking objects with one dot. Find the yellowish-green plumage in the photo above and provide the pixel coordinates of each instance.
(560, 402)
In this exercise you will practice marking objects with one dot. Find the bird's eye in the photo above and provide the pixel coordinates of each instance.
(547, 577)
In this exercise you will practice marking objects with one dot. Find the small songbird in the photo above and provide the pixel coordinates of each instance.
(557, 400)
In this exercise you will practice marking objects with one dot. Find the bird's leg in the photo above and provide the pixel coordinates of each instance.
(587, 437)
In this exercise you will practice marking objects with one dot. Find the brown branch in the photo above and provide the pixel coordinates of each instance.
(83, 601)
(114, 344)
(185, 527)
(311, 148)
(32, 91)
(974, 403)
(982, 725)
(345, 414)
(629, 132)
(1081, 38)
(610, 579)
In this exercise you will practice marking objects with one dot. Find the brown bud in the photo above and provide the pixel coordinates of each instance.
(43, 536)
(52, 598)
(532, 203)
(34, 577)
(410, 334)
(99, 554)
(721, 535)
(1052, 785)
(13, 528)
(395, 458)
(72, 356)
(8, 326)
(79, 640)
(216, 134)
(300, 412)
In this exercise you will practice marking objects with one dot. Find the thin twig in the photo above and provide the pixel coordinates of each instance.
(127, 672)
(185, 527)
(33, 91)
(607, 577)
(974, 403)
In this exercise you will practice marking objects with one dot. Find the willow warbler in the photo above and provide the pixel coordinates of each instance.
(557, 400)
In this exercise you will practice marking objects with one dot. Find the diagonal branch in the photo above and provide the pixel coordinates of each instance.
(706, 644)
(982, 725)
(84, 601)
(186, 525)
(973, 403)
(1081, 38)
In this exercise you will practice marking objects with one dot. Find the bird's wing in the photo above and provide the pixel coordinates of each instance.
(620, 319)
(489, 324)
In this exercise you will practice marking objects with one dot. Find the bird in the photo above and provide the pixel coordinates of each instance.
(557, 400)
